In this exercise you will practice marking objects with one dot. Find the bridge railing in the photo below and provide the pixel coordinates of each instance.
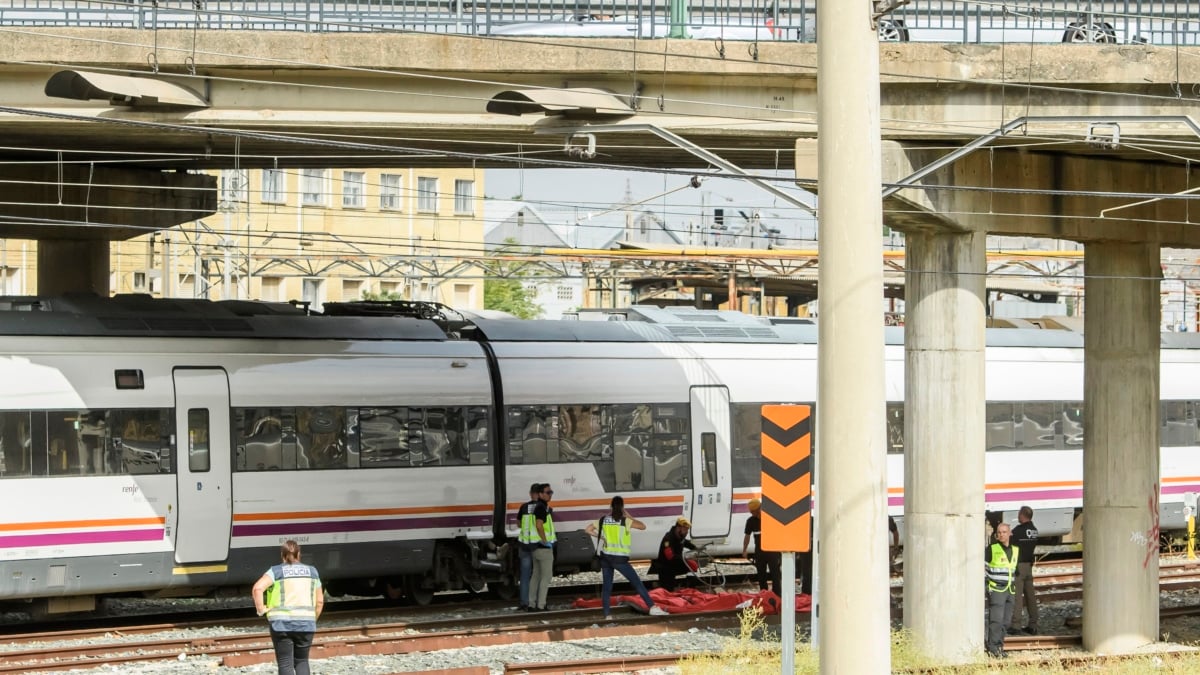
(1171, 22)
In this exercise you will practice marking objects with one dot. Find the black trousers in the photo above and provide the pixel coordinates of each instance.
(767, 563)
(291, 651)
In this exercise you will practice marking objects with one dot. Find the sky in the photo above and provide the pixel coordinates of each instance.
(585, 195)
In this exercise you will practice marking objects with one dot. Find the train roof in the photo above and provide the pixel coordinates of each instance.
(146, 316)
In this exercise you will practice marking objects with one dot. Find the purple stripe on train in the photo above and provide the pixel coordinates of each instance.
(1076, 493)
(325, 527)
(70, 538)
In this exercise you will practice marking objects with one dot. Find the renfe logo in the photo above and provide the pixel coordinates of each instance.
(130, 489)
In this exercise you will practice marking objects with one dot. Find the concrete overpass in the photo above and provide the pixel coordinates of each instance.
(1095, 139)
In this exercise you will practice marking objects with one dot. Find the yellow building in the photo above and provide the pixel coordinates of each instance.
(314, 235)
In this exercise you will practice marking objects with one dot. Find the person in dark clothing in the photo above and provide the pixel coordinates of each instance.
(767, 562)
(1000, 568)
(1024, 537)
(670, 562)
(894, 549)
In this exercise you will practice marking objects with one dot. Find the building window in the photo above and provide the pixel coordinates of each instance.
(234, 184)
(464, 296)
(390, 289)
(427, 194)
(312, 187)
(464, 197)
(389, 192)
(353, 183)
(272, 289)
(351, 289)
(565, 293)
(274, 182)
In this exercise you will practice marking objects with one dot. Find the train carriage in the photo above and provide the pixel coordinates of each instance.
(167, 447)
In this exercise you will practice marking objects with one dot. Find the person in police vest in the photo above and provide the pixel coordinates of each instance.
(614, 537)
(1000, 567)
(543, 552)
(291, 596)
(527, 542)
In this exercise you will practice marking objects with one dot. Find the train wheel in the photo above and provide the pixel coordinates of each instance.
(417, 592)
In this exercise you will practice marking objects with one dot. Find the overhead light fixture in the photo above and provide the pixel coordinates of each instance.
(575, 103)
(137, 92)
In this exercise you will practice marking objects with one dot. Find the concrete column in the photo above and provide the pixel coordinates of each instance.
(71, 266)
(944, 443)
(853, 611)
(1120, 446)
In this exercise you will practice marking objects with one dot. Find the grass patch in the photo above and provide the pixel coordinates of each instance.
(755, 651)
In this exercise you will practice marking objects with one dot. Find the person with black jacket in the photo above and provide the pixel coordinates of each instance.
(1024, 537)
(670, 562)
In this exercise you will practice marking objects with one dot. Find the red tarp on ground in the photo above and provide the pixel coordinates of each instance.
(692, 601)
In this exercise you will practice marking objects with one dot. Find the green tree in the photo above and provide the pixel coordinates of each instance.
(507, 291)
(368, 294)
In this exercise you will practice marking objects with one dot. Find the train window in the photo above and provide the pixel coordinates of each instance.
(747, 444)
(1072, 425)
(1036, 428)
(585, 433)
(139, 441)
(16, 444)
(321, 438)
(895, 428)
(1178, 427)
(532, 434)
(633, 462)
(1001, 429)
(478, 436)
(198, 449)
(672, 461)
(260, 433)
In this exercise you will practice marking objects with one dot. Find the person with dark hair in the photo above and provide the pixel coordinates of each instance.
(1024, 537)
(543, 551)
(291, 596)
(526, 542)
(670, 562)
(614, 538)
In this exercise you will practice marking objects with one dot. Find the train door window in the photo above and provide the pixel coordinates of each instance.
(1001, 426)
(708, 453)
(1178, 424)
(747, 444)
(895, 428)
(672, 466)
(198, 449)
(16, 444)
(1072, 425)
(1037, 427)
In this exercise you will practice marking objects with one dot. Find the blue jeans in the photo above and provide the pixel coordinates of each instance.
(291, 651)
(526, 556)
(609, 564)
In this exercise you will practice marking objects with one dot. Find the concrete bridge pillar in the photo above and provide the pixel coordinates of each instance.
(69, 266)
(944, 443)
(1121, 446)
(73, 212)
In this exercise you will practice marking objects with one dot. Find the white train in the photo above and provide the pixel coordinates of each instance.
(168, 446)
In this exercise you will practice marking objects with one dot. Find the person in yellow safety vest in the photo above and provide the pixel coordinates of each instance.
(543, 552)
(1000, 566)
(291, 596)
(527, 539)
(614, 538)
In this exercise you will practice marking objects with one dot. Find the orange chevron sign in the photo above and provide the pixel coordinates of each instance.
(786, 478)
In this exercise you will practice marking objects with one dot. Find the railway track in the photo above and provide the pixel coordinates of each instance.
(250, 648)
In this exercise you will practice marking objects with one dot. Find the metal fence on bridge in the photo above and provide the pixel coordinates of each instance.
(1106, 21)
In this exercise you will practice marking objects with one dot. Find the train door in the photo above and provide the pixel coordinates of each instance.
(202, 456)
(712, 484)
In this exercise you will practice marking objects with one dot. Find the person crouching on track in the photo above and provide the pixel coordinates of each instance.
(527, 540)
(615, 540)
(670, 562)
(291, 596)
